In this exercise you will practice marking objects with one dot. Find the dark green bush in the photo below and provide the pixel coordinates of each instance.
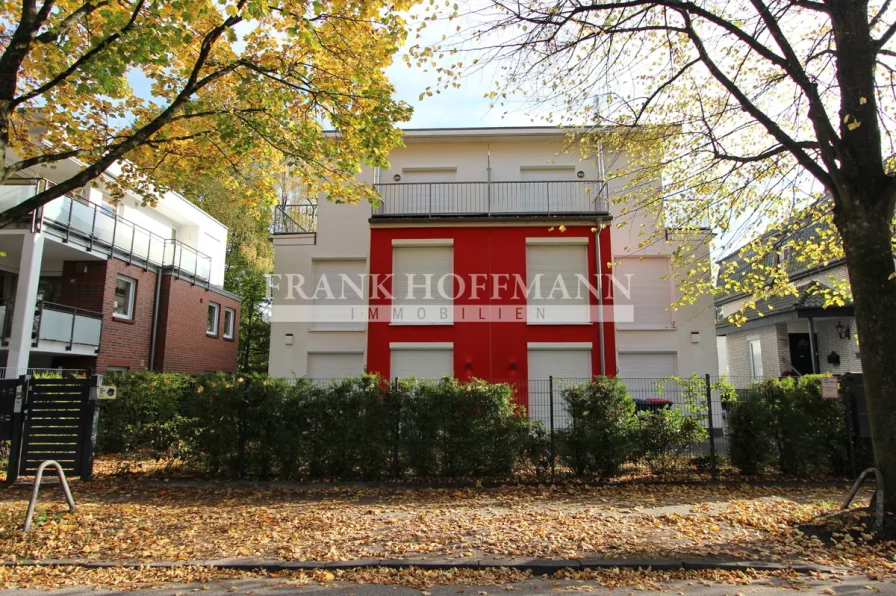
(450, 428)
(664, 435)
(786, 423)
(601, 422)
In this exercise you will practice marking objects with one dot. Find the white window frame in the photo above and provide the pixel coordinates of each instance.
(755, 341)
(131, 298)
(228, 332)
(422, 243)
(217, 307)
(561, 241)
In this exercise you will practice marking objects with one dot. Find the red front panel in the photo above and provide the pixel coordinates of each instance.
(484, 255)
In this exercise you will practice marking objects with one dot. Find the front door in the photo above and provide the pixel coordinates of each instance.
(800, 352)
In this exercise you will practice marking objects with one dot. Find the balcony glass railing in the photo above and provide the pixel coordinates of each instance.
(68, 325)
(97, 227)
(490, 199)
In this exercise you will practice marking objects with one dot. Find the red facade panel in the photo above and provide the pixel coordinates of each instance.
(490, 347)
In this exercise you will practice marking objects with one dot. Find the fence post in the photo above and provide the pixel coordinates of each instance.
(396, 435)
(241, 433)
(712, 431)
(551, 404)
(18, 430)
(90, 424)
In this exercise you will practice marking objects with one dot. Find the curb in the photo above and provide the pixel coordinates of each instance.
(536, 566)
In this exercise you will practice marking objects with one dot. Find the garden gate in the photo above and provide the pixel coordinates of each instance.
(55, 419)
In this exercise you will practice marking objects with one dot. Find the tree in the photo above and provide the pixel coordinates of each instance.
(749, 113)
(233, 84)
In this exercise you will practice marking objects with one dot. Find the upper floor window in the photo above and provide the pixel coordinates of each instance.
(642, 292)
(422, 282)
(125, 294)
(558, 287)
(229, 322)
(211, 326)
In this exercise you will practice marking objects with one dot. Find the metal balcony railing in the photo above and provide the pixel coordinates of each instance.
(492, 199)
(97, 227)
(67, 325)
(294, 218)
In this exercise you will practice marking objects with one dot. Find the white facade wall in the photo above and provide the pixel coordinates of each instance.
(775, 351)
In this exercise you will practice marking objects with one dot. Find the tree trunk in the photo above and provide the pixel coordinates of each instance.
(867, 242)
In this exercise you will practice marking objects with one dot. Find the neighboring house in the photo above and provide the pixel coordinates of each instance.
(789, 335)
(440, 278)
(88, 284)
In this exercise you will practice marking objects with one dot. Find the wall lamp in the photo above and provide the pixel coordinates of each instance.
(843, 332)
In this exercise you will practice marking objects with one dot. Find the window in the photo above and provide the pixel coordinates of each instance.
(117, 370)
(568, 364)
(422, 360)
(125, 291)
(754, 350)
(334, 365)
(642, 293)
(555, 274)
(339, 298)
(211, 326)
(423, 283)
(229, 322)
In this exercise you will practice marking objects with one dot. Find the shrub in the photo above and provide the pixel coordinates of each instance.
(450, 428)
(602, 418)
(787, 423)
(664, 435)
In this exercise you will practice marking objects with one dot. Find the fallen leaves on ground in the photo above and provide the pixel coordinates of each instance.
(119, 521)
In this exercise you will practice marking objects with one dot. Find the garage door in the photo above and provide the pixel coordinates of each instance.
(644, 365)
(334, 365)
(566, 366)
(422, 361)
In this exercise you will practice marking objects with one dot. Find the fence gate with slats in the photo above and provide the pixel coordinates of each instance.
(57, 422)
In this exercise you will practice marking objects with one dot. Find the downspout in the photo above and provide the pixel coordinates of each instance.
(600, 304)
(155, 321)
(488, 177)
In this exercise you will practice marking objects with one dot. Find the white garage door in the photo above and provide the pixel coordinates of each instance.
(334, 365)
(566, 365)
(646, 365)
(422, 361)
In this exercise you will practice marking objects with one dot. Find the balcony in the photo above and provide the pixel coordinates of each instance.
(98, 228)
(59, 328)
(583, 198)
(295, 219)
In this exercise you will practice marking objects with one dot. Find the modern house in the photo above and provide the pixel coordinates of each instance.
(788, 335)
(91, 284)
(493, 255)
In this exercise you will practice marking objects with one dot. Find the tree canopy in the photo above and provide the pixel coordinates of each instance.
(186, 88)
(749, 113)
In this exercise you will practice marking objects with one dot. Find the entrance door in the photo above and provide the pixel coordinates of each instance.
(800, 352)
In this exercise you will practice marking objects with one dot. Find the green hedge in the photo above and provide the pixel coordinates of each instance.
(786, 424)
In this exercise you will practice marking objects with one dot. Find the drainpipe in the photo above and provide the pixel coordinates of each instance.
(488, 177)
(600, 304)
(812, 346)
(155, 321)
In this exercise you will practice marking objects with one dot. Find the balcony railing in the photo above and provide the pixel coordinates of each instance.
(68, 325)
(97, 227)
(492, 199)
(58, 323)
(295, 218)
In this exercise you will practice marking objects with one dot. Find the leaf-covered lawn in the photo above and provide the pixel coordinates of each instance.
(137, 522)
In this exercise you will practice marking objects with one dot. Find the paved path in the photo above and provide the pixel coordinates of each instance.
(844, 586)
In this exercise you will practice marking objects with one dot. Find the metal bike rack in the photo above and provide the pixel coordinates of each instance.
(878, 498)
(38, 476)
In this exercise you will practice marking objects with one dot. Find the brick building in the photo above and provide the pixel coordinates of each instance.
(100, 286)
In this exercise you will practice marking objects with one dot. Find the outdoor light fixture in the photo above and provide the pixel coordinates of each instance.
(469, 365)
(580, 174)
(843, 332)
(513, 366)
(397, 177)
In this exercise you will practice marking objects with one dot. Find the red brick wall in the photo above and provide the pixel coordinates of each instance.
(183, 344)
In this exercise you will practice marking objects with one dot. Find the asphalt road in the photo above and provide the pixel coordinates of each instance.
(268, 587)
